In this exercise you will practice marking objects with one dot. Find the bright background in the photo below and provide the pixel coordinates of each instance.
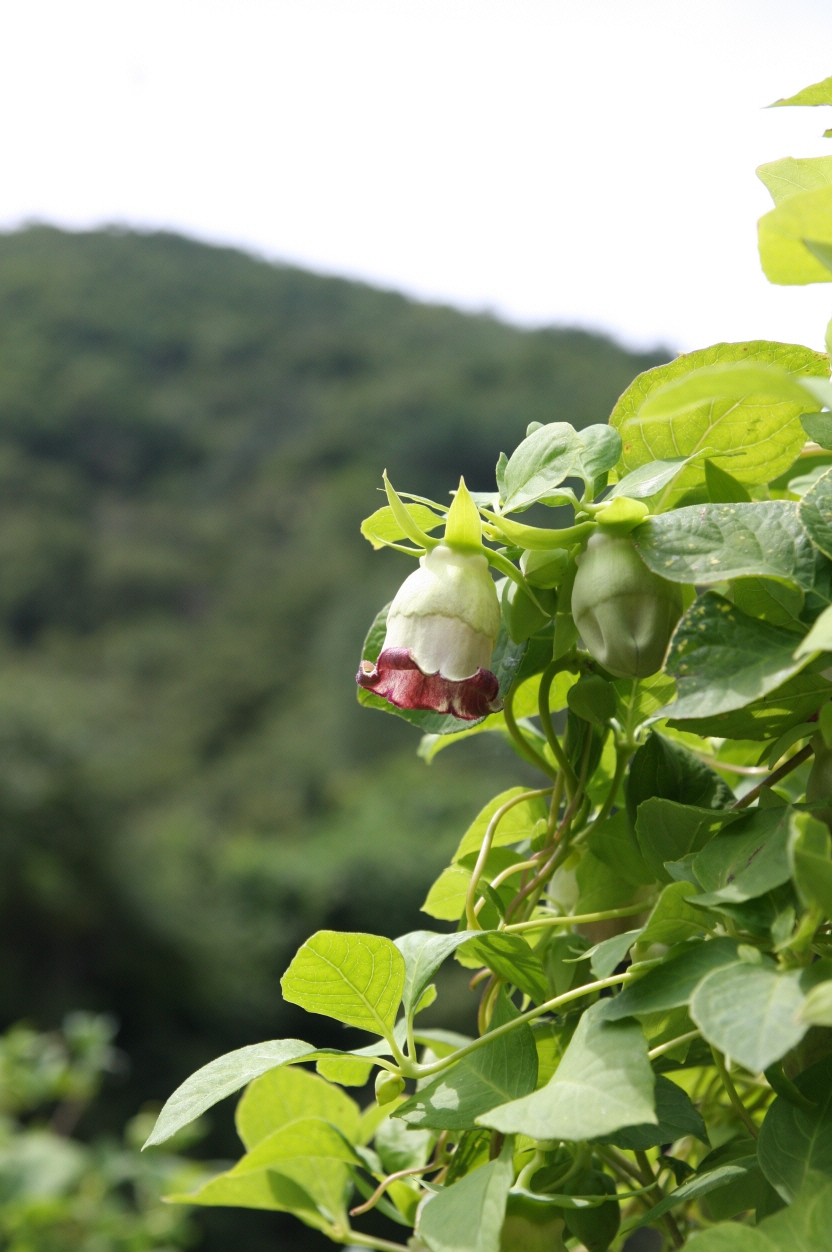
(555, 162)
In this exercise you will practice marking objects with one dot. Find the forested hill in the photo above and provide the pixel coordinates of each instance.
(189, 438)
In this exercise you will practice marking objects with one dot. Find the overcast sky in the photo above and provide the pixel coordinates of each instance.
(581, 162)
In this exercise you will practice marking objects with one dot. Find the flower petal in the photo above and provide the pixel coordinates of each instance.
(398, 678)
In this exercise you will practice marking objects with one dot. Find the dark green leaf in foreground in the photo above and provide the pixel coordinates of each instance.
(221, 1078)
(815, 513)
(750, 1012)
(723, 660)
(748, 859)
(677, 1117)
(668, 831)
(769, 717)
(468, 1216)
(671, 984)
(667, 770)
(712, 543)
(604, 1082)
(499, 1071)
(794, 1141)
(357, 979)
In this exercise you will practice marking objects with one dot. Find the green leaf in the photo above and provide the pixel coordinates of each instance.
(723, 488)
(511, 957)
(771, 601)
(753, 439)
(615, 843)
(818, 426)
(693, 1190)
(671, 984)
(712, 543)
(446, 898)
(468, 1216)
(600, 449)
(750, 1012)
(677, 1116)
(357, 979)
(502, 1070)
(609, 953)
(221, 1078)
(539, 464)
(400, 1147)
(505, 664)
(788, 177)
(724, 660)
(663, 769)
(649, 479)
(808, 857)
(735, 381)
(791, 235)
(804, 1226)
(767, 718)
(793, 1141)
(815, 513)
(517, 824)
(423, 952)
(382, 528)
(310, 1153)
(286, 1095)
(264, 1190)
(639, 698)
(668, 831)
(673, 920)
(819, 638)
(747, 860)
(604, 1082)
(817, 93)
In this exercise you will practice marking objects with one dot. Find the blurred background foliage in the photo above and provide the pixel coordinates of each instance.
(189, 439)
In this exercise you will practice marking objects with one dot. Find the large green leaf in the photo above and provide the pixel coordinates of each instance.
(604, 1082)
(747, 860)
(357, 979)
(265, 1189)
(750, 1012)
(539, 464)
(668, 831)
(671, 984)
(468, 1216)
(795, 1141)
(284, 1095)
(501, 1070)
(712, 543)
(511, 957)
(809, 97)
(802, 1227)
(505, 664)
(614, 842)
(517, 824)
(221, 1078)
(815, 513)
(673, 920)
(754, 439)
(667, 770)
(723, 660)
(677, 1115)
(788, 177)
(789, 705)
(423, 952)
(791, 235)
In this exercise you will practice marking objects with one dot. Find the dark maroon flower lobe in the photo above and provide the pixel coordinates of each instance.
(398, 678)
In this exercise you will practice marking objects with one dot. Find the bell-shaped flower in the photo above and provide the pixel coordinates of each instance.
(442, 627)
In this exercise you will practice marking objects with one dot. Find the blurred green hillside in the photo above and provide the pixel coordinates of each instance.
(189, 438)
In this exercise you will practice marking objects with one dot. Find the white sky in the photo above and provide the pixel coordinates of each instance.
(568, 161)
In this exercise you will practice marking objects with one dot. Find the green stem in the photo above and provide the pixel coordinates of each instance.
(485, 848)
(426, 1071)
(792, 763)
(549, 674)
(731, 1091)
(523, 746)
(370, 1241)
(671, 1044)
(579, 919)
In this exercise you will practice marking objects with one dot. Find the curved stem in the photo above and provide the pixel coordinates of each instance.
(523, 746)
(485, 848)
(579, 919)
(731, 1091)
(549, 674)
(370, 1241)
(671, 1044)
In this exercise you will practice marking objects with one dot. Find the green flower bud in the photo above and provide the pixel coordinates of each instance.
(624, 612)
(531, 1225)
(523, 617)
(388, 1086)
(819, 784)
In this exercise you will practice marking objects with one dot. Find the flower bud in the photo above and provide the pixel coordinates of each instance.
(388, 1086)
(624, 612)
(819, 783)
(441, 630)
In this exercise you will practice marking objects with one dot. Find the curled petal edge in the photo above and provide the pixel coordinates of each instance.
(397, 677)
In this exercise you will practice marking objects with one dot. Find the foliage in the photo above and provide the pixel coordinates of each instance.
(651, 928)
(57, 1193)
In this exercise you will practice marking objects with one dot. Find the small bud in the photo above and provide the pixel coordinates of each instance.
(624, 612)
(388, 1086)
